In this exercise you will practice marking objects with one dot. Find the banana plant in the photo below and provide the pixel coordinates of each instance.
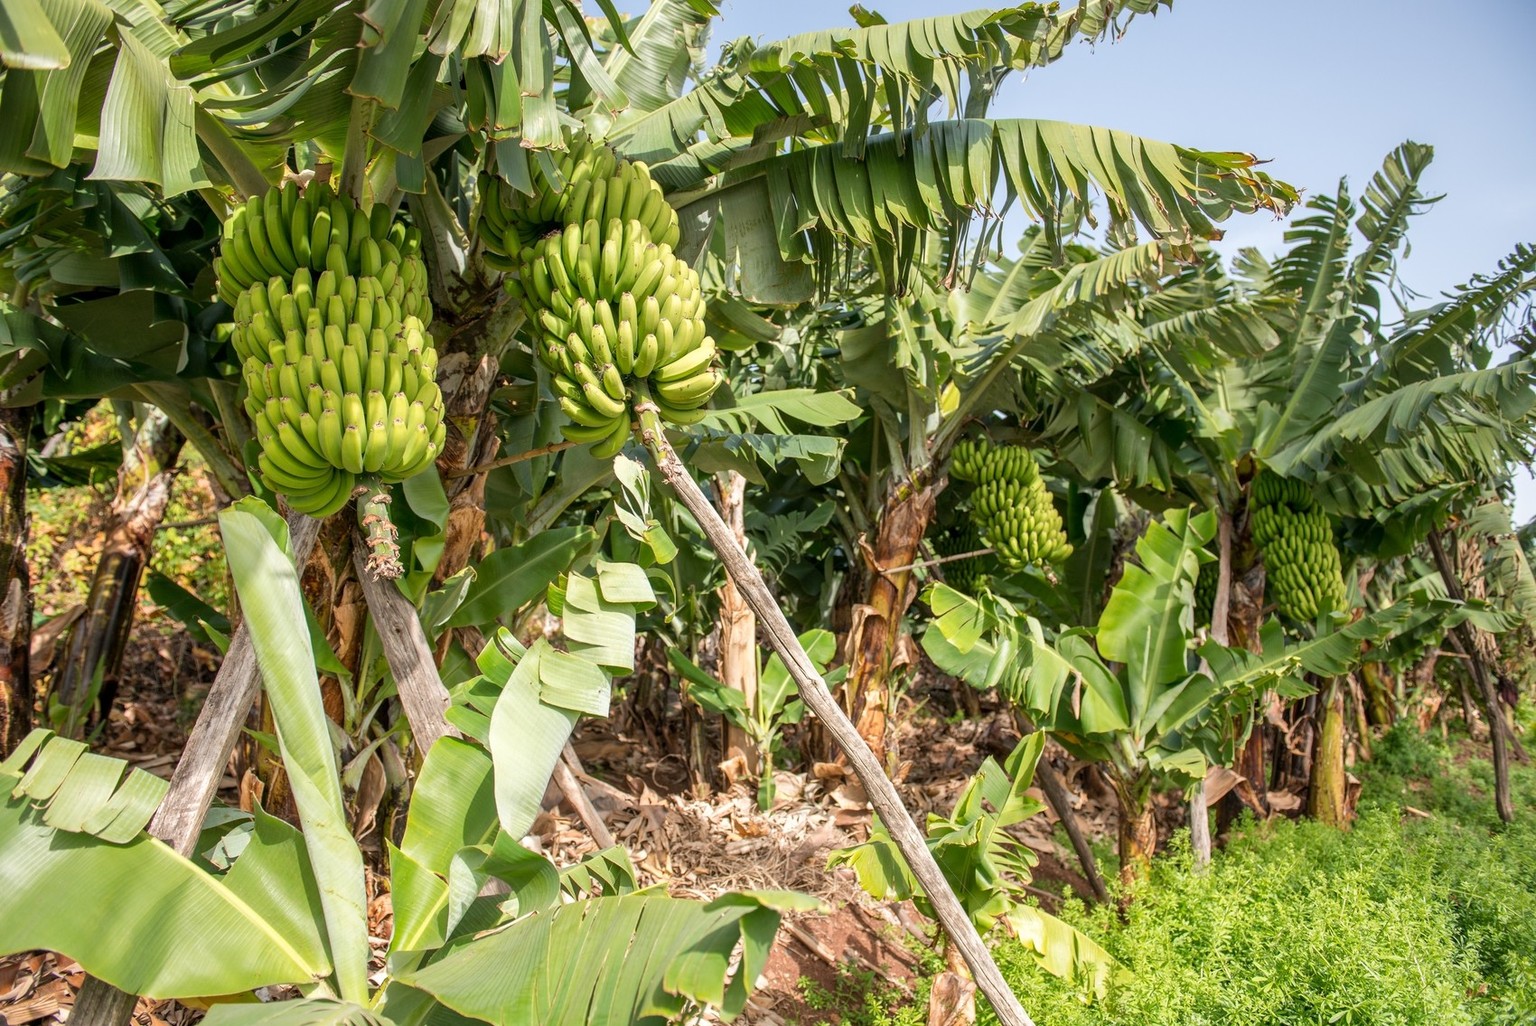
(773, 706)
(290, 906)
(989, 869)
(1297, 365)
(1137, 693)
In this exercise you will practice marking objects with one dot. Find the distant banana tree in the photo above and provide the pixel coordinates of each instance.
(1135, 693)
(1293, 365)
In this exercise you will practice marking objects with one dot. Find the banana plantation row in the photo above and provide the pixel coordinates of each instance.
(504, 315)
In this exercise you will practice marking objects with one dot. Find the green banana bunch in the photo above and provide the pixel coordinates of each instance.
(511, 219)
(321, 314)
(1303, 572)
(965, 459)
(330, 325)
(609, 302)
(324, 424)
(274, 235)
(591, 183)
(1011, 505)
(1205, 593)
(967, 575)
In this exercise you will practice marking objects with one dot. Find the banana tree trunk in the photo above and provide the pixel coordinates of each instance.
(1138, 827)
(1245, 613)
(86, 682)
(899, 532)
(467, 378)
(15, 582)
(1328, 795)
(1497, 726)
(1199, 808)
(1380, 695)
(738, 625)
(1470, 560)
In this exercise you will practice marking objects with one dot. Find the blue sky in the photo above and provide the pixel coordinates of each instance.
(1322, 88)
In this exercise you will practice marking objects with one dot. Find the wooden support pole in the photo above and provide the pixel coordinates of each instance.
(408, 653)
(882, 793)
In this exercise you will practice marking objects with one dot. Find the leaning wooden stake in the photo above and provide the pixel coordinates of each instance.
(195, 781)
(1199, 810)
(882, 793)
(1060, 800)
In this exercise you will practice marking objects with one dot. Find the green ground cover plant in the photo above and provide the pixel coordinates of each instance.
(1405, 920)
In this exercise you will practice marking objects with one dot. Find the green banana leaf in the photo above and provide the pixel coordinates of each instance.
(255, 540)
(509, 577)
(1147, 622)
(303, 1012)
(637, 960)
(978, 857)
(1065, 951)
(81, 878)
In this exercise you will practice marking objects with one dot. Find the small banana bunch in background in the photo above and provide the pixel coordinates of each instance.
(614, 310)
(1010, 505)
(1205, 592)
(1303, 572)
(965, 575)
(330, 323)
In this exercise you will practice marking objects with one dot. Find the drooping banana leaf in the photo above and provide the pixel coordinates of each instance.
(636, 960)
(302, 1012)
(78, 876)
(268, 586)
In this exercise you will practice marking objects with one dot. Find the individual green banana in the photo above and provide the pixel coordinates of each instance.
(583, 434)
(610, 446)
(646, 355)
(330, 429)
(600, 400)
(689, 391)
(687, 365)
(613, 382)
(679, 415)
(582, 414)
